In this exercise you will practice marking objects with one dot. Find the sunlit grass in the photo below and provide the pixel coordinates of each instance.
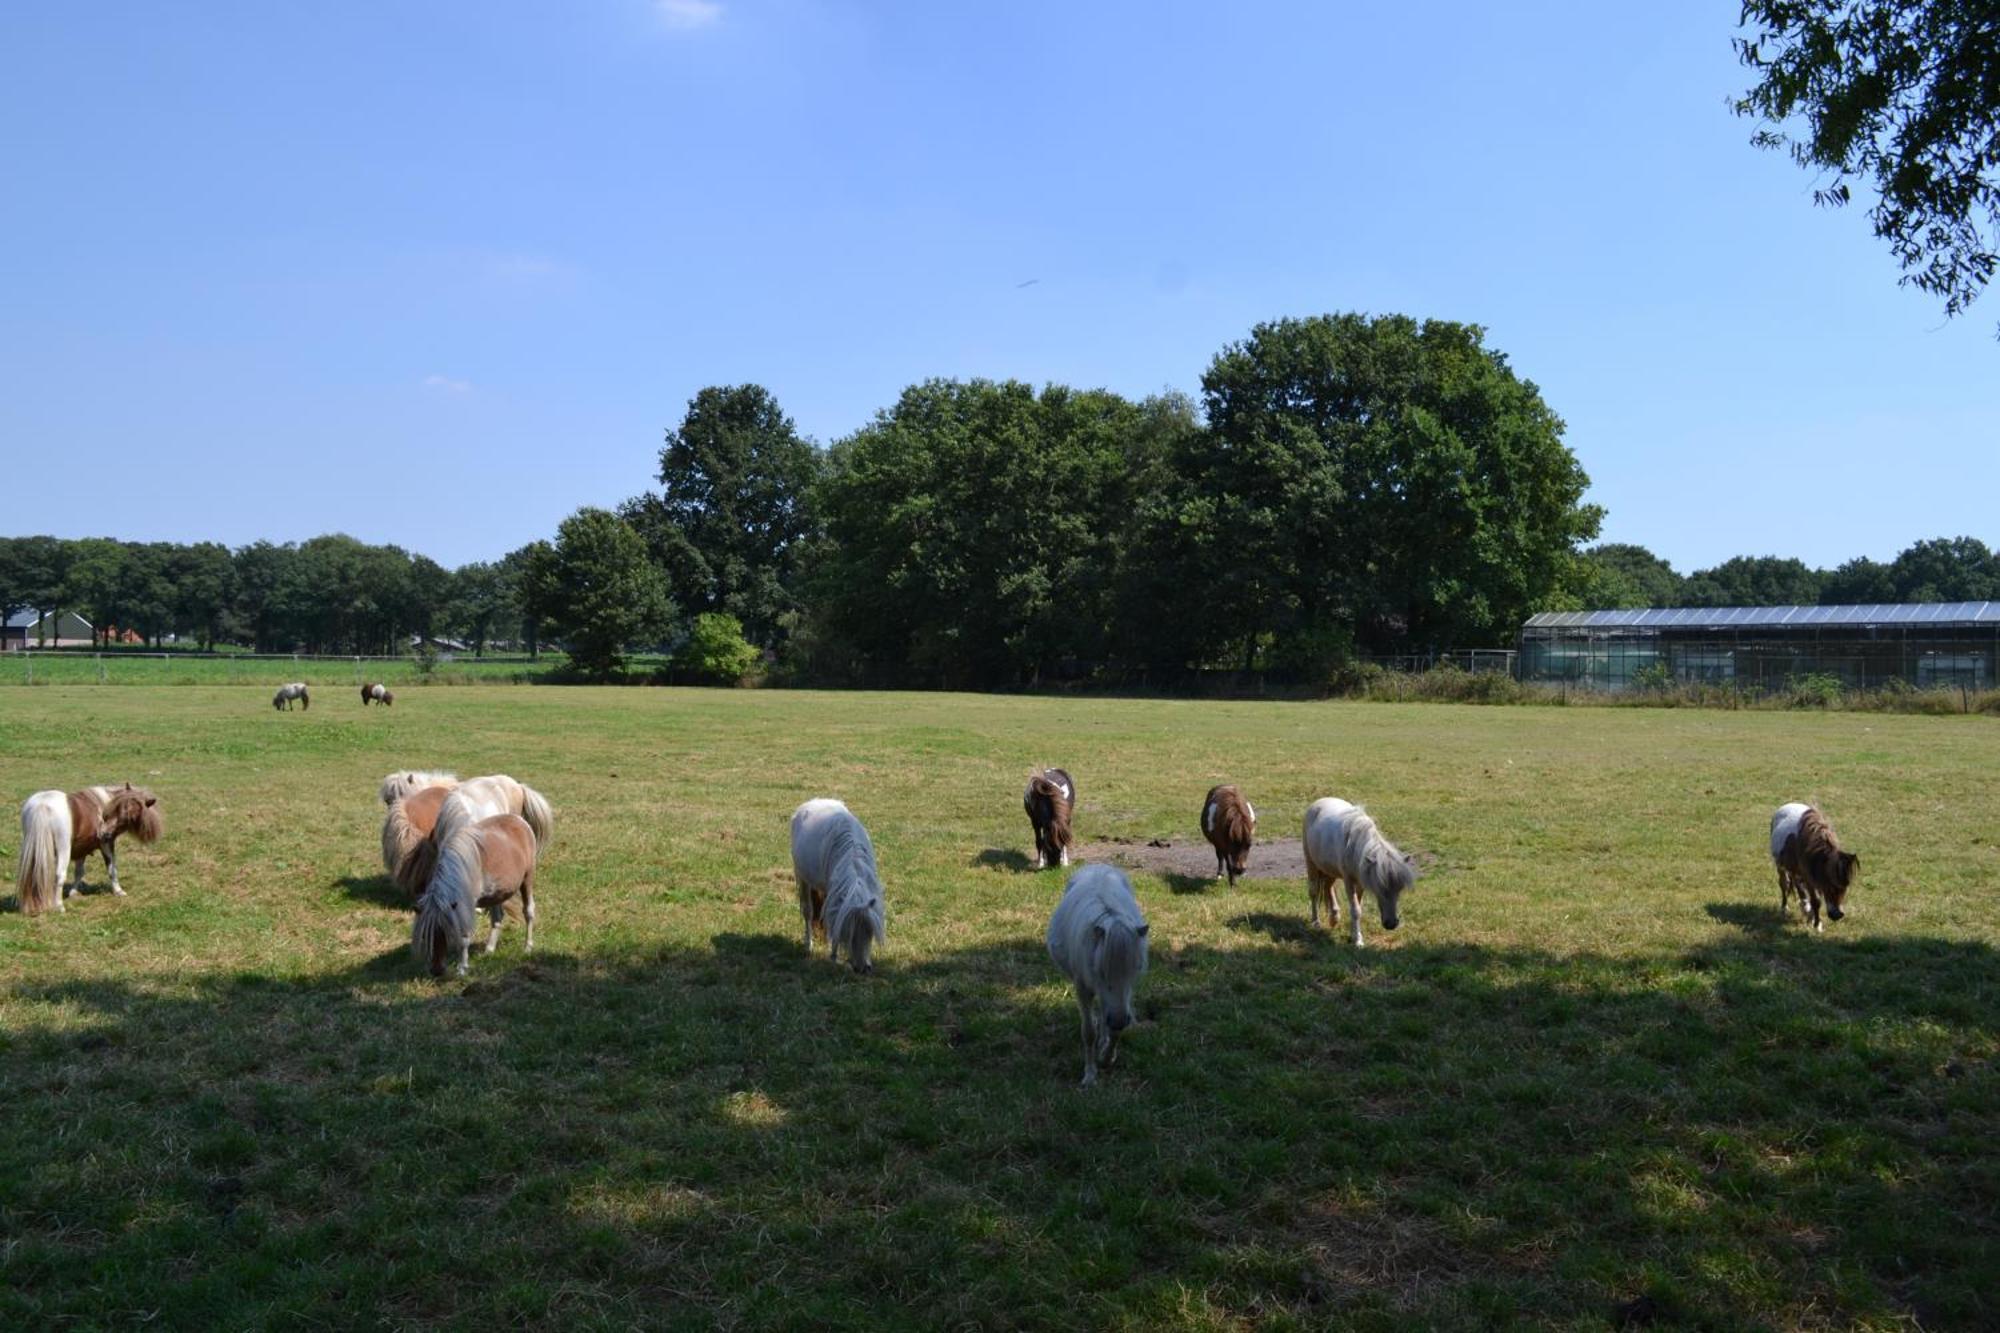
(1593, 1076)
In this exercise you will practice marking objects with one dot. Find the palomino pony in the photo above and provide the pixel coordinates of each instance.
(481, 867)
(1097, 938)
(1050, 798)
(468, 803)
(840, 892)
(286, 693)
(1229, 822)
(376, 693)
(1810, 862)
(59, 830)
(1342, 843)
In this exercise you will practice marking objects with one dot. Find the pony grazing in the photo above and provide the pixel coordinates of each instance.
(1230, 824)
(406, 826)
(1342, 843)
(1097, 938)
(1810, 862)
(1050, 798)
(286, 693)
(840, 892)
(376, 693)
(468, 803)
(59, 831)
(482, 866)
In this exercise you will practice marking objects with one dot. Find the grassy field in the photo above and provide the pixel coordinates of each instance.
(1593, 1080)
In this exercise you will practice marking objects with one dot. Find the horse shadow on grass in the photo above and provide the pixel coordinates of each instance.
(377, 889)
(1306, 1128)
(1003, 858)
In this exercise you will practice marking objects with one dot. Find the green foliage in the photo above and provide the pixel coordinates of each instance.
(1388, 476)
(1753, 581)
(598, 592)
(1816, 689)
(733, 513)
(974, 530)
(1904, 94)
(716, 650)
(1656, 678)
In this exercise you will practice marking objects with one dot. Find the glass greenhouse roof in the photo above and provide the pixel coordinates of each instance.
(1768, 617)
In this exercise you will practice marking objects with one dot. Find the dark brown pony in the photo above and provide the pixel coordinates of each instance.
(1049, 800)
(1811, 863)
(376, 692)
(1230, 824)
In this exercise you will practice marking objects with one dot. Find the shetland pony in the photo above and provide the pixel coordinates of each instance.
(1097, 938)
(1342, 843)
(468, 803)
(286, 693)
(1230, 824)
(59, 831)
(1810, 862)
(396, 786)
(840, 891)
(1050, 798)
(376, 693)
(481, 867)
(406, 826)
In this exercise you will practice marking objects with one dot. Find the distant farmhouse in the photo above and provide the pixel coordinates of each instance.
(36, 629)
(1924, 644)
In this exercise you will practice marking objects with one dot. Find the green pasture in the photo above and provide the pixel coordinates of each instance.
(1594, 1080)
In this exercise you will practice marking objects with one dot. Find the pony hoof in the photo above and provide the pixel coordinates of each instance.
(117, 892)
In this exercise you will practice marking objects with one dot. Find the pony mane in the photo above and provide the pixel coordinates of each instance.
(1232, 812)
(448, 908)
(1382, 865)
(402, 785)
(1123, 954)
(1819, 848)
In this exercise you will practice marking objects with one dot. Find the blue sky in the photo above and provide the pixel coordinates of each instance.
(440, 273)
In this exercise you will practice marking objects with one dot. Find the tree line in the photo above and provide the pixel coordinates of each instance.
(1943, 569)
(1343, 486)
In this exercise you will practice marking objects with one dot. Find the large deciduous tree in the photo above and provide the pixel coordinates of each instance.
(1380, 482)
(1753, 580)
(732, 512)
(1904, 94)
(598, 590)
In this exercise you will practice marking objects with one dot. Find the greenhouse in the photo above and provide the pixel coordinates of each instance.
(1929, 645)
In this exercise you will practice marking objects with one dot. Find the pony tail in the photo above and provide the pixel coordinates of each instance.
(541, 818)
(45, 839)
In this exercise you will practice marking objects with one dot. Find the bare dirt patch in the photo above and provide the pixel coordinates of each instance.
(1193, 858)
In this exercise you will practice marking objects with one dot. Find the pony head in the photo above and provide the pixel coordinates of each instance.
(1398, 872)
(443, 927)
(1839, 879)
(1117, 961)
(136, 811)
(858, 931)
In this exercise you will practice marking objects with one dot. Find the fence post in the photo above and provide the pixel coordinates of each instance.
(100, 668)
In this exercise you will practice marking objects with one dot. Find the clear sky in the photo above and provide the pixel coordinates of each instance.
(438, 273)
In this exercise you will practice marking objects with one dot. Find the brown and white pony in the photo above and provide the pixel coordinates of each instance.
(59, 830)
(405, 828)
(1050, 798)
(286, 693)
(376, 693)
(468, 803)
(481, 867)
(1810, 862)
(1230, 824)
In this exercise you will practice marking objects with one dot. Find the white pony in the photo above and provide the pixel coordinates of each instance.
(471, 801)
(1342, 843)
(840, 891)
(286, 693)
(397, 786)
(1097, 937)
(482, 866)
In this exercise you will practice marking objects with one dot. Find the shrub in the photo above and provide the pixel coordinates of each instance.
(716, 650)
